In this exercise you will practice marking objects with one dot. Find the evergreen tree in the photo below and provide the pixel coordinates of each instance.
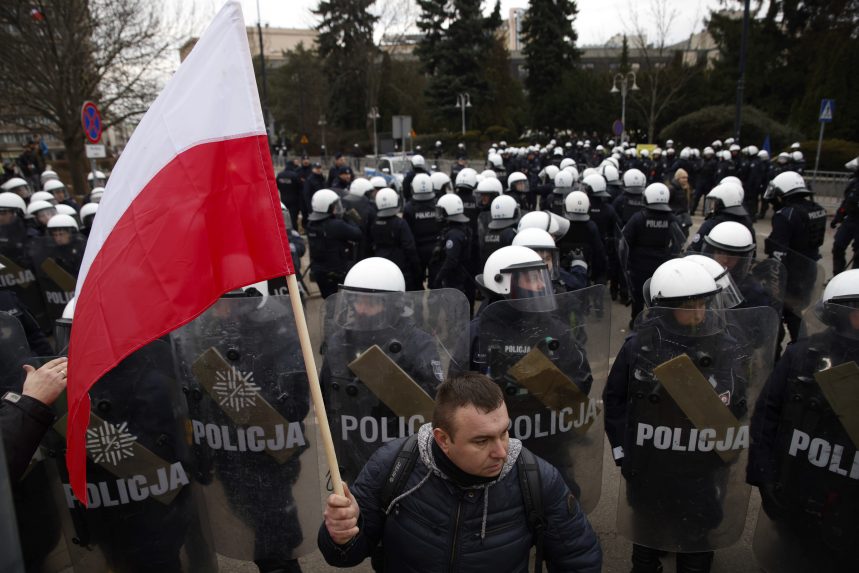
(550, 55)
(459, 39)
(346, 46)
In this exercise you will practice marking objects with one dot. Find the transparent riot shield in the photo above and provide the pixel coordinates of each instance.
(10, 558)
(623, 260)
(37, 515)
(384, 355)
(550, 357)
(805, 281)
(142, 511)
(251, 427)
(18, 276)
(807, 520)
(56, 268)
(693, 379)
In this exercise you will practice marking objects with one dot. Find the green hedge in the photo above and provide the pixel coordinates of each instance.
(702, 127)
(834, 153)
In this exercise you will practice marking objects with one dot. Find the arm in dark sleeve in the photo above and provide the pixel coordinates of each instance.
(569, 542)
(764, 424)
(615, 398)
(367, 490)
(599, 261)
(22, 424)
(345, 231)
(37, 340)
(453, 251)
(777, 243)
(407, 240)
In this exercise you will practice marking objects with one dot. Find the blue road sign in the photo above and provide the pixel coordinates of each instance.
(617, 127)
(827, 110)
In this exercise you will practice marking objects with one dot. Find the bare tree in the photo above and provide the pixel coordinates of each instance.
(663, 72)
(57, 54)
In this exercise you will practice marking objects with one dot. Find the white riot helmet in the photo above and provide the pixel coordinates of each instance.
(18, 186)
(731, 180)
(787, 184)
(572, 171)
(387, 203)
(63, 222)
(645, 153)
(840, 301)
(685, 153)
(783, 157)
(577, 206)
(669, 143)
(708, 151)
(517, 182)
(555, 225)
(764, 155)
(360, 187)
(43, 196)
(324, 204)
(486, 174)
(12, 201)
(490, 187)
(549, 172)
(733, 246)
(63, 209)
(53, 187)
(418, 160)
(543, 244)
(595, 185)
(97, 180)
(797, 156)
(48, 175)
(567, 162)
(753, 150)
(563, 182)
(88, 212)
(656, 197)
(516, 273)
(495, 161)
(634, 182)
(588, 172)
(36, 207)
(441, 183)
(449, 208)
(611, 175)
(852, 165)
(378, 182)
(679, 282)
(794, 146)
(613, 160)
(729, 294)
(364, 300)
(725, 197)
(422, 188)
(96, 194)
(504, 211)
(466, 179)
(375, 274)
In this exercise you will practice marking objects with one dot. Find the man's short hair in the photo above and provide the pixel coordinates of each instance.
(467, 389)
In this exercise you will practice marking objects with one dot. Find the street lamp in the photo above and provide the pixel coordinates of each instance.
(374, 115)
(322, 123)
(463, 101)
(624, 84)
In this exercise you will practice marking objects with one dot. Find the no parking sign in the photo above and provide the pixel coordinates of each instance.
(91, 121)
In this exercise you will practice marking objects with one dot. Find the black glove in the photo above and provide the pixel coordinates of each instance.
(833, 224)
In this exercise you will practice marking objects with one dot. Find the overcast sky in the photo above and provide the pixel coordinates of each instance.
(597, 20)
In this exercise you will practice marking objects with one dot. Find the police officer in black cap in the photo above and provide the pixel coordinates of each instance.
(332, 241)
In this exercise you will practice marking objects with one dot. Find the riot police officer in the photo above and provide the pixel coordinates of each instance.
(608, 223)
(518, 187)
(452, 260)
(393, 240)
(798, 231)
(847, 217)
(418, 166)
(583, 239)
(675, 496)
(419, 214)
(501, 229)
(542, 243)
(359, 207)
(563, 186)
(723, 203)
(803, 456)
(332, 241)
(652, 236)
(487, 191)
(441, 183)
(631, 200)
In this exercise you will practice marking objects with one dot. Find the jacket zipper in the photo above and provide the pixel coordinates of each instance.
(455, 535)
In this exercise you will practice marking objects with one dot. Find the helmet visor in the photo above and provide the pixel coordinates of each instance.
(730, 295)
(738, 264)
(365, 311)
(711, 204)
(520, 186)
(552, 258)
(527, 283)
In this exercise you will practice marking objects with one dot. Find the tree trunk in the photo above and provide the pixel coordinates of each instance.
(77, 163)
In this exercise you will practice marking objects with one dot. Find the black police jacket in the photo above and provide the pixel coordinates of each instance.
(421, 219)
(653, 239)
(393, 240)
(331, 242)
(23, 423)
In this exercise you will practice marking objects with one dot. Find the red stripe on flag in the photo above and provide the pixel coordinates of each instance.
(207, 223)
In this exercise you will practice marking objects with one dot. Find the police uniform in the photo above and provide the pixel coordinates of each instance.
(583, 240)
(332, 242)
(421, 219)
(392, 239)
(453, 259)
(848, 231)
(362, 212)
(605, 217)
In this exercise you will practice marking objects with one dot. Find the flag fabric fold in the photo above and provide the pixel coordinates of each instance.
(190, 211)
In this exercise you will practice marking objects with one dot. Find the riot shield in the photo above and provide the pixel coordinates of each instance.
(384, 355)
(687, 425)
(805, 281)
(623, 260)
(251, 427)
(17, 276)
(807, 520)
(56, 269)
(142, 512)
(11, 560)
(37, 516)
(550, 357)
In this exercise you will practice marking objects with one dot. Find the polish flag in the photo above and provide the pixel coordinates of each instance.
(191, 211)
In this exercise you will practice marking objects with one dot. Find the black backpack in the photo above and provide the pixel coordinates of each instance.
(529, 483)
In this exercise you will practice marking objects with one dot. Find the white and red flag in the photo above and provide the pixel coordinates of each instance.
(191, 211)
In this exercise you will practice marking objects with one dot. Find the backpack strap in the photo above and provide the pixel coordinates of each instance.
(400, 471)
(532, 497)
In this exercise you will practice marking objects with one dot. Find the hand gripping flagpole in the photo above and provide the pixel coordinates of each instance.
(313, 379)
